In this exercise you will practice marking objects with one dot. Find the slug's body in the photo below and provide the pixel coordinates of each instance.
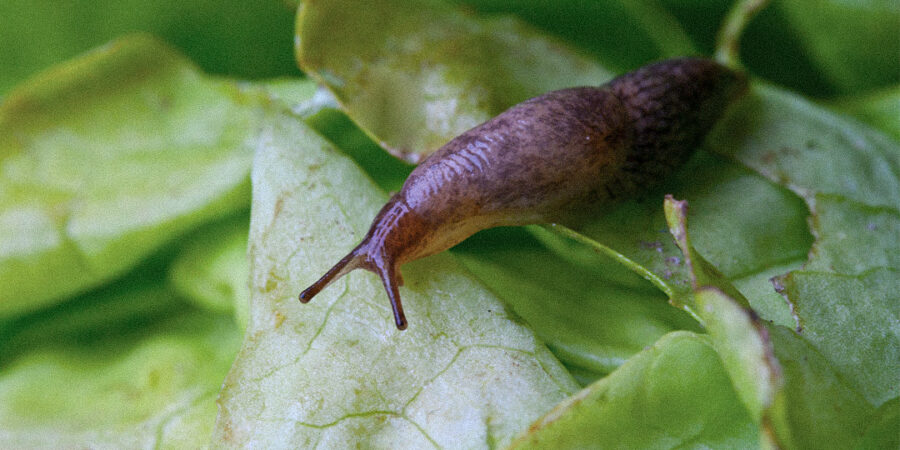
(542, 160)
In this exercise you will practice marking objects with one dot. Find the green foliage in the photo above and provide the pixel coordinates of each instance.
(222, 36)
(107, 158)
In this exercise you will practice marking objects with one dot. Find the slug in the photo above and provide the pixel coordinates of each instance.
(543, 160)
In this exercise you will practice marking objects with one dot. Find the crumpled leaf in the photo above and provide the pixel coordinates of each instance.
(106, 158)
(843, 364)
(793, 393)
(591, 312)
(848, 295)
(415, 74)
(464, 374)
(743, 225)
(97, 386)
(736, 332)
(848, 175)
(675, 394)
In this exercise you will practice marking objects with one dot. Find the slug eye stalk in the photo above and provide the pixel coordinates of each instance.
(379, 252)
(389, 274)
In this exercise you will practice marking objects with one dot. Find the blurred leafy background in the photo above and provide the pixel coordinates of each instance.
(169, 306)
(837, 49)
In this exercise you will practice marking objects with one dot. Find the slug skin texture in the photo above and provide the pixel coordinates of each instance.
(544, 159)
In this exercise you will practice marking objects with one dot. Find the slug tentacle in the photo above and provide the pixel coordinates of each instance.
(392, 281)
(345, 265)
(392, 239)
(546, 159)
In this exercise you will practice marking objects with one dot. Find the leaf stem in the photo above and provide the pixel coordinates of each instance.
(620, 258)
(728, 40)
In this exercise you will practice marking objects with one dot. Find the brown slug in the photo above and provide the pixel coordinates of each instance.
(543, 159)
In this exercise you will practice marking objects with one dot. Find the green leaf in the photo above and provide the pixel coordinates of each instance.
(850, 321)
(108, 157)
(743, 225)
(853, 238)
(879, 109)
(591, 312)
(832, 47)
(736, 332)
(809, 149)
(119, 308)
(222, 36)
(818, 408)
(213, 271)
(882, 431)
(794, 392)
(320, 110)
(152, 386)
(337, 370)
(414, 87)
(868, 59)
(387, 172)
(848, 174)
(623, 35)
(855, 322)
(675, 394)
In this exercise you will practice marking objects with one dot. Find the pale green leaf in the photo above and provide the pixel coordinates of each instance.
(106, 158)
(151, 387)
(465, 373)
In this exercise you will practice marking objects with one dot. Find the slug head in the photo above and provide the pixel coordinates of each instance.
(394, 235)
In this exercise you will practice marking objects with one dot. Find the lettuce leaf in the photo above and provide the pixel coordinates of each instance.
(108, 157)
(101, 380)
(465, 373)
